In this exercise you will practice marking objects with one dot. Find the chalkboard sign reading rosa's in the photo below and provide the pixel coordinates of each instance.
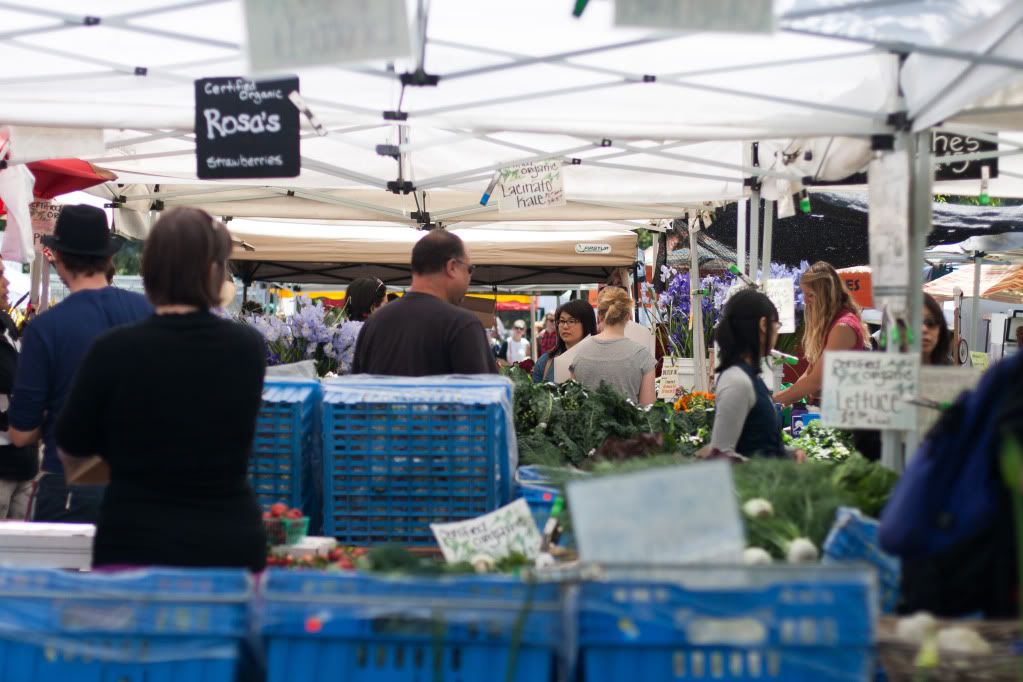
(246, 129)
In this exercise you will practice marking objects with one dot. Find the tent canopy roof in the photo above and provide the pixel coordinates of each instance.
(503, 255)
(654, 119)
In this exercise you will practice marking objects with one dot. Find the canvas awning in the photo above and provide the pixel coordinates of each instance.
(504, 255)
(1002, 283)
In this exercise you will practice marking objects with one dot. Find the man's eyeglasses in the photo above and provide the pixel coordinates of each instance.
(567, 322)
(470, 268)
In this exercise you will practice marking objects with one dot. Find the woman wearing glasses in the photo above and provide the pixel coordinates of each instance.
(935, 339)
(575, 321)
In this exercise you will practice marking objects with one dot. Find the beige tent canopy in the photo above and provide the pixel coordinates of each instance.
(1002, 283)
(505, 254)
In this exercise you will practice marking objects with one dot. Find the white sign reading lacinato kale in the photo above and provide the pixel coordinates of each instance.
(246, 129)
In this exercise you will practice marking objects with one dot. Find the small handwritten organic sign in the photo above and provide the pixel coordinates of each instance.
(537, 184)
(979, 359)
(246, 129)
(498, 534)
(782, 292)
(868, 390)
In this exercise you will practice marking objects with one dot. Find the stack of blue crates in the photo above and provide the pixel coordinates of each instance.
(400, 454)
(167, 625)
(813, 624)
(854, 537)
(286, 461)
(322, 627)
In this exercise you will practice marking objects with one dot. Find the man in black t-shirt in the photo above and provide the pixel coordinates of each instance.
(425, 332)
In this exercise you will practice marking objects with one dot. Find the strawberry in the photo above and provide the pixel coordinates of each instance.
(345, 564)
(294, 514)
(278, 510)
(335, 554)
(267, 516)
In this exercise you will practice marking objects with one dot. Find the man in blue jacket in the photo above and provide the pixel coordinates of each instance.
(53, 345)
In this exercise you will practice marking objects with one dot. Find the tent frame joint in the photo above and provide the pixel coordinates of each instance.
(395, 115)
(419, 78)
(400, 187)
(900, 121)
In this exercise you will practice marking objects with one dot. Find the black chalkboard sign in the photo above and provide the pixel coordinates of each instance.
(246, 129)
(948, 144)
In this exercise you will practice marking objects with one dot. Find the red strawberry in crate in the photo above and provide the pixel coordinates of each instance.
(335, 554)
(294, 514)
(278, 510)
(267, 516)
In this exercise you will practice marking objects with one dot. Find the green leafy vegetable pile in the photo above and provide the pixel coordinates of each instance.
(570, 425)
(821, 443)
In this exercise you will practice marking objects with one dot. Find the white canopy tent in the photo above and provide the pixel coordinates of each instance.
(656, 122)
(649, 123)
(505, 255)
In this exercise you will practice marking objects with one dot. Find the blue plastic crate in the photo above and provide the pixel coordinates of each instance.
(286, 461)
(167, 625)
(794, 624)
(357, 628)
(854, 537)
(400, 454)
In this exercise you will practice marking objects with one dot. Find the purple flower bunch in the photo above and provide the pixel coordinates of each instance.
(311, 333)
(674, 305)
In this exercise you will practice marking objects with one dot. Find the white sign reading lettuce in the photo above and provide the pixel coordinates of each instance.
(510, 529)
(868, 390)
(246, 129)
(537, 184)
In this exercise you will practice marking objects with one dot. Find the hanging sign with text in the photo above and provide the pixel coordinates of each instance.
(868, 390)
(285, 34)
(246, 129)
(949, 144)
(537, 184)
(44, 218)
(745, 16)
(888, 229)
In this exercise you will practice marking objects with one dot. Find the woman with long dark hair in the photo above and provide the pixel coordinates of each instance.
(935, 338)
(745, 419)
(575, 321)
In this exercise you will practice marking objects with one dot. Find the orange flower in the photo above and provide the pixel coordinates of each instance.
(695, 400)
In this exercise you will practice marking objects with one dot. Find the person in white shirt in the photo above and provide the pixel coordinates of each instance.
(518, 344)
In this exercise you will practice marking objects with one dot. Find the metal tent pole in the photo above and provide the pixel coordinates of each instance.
(975, 312)
(920, 212)
(754, 233)
(696, 311)
(768, 238)
(740, 235)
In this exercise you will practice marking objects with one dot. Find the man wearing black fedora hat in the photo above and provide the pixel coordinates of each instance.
(53, 345)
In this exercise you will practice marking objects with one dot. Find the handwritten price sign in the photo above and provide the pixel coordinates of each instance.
(867, 390)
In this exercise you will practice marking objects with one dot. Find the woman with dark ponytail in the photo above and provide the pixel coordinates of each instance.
(745, 419)
(363, 297)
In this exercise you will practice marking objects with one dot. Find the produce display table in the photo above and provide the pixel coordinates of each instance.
(46, 545)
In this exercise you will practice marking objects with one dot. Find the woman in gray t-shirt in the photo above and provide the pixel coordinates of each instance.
(611, 358)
